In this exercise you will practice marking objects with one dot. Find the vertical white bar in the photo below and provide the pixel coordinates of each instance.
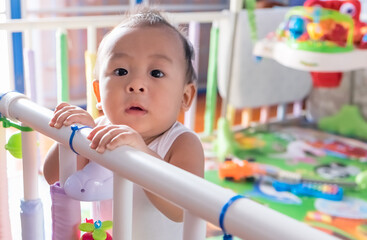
(90, 56)
(122, 208)
(92, 39)
(264, 114)
(281, 111)
(246, 117)
(30, 165)
(67, 163)
(29, 67)
(5, 229)
(132, 3)
(194, 227)
(297, 109)
(194, 38)
(235, 5)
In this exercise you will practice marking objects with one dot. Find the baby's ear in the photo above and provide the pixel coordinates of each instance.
(97, 94)
(188, 96)
(96, 89)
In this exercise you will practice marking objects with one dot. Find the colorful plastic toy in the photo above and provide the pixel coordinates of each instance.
(347, 122)
(348, 7)
(340, 149)
(317, 30)
(95, 230)
(14, 145)
(325, 26)
(318, 190)
(235, 169)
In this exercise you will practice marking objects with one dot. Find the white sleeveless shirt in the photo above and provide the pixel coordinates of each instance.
(148, 222)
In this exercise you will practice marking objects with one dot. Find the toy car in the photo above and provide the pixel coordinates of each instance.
(237, 170)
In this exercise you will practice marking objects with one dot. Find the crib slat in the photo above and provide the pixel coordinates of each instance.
(297, 109)
(246, 116)
(281, 111)
(194, 38)
(30, 165)
(194, 227)
(62, 66)
(264, 114)
(5, 228)
(122, 208)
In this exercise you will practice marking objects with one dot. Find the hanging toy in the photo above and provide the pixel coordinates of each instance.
(14, 145)
(96, 230)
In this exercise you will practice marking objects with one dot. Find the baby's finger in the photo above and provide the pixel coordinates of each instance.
(81, 118)
(95, 131)
(60, 106)
(58, 112)
(118, 140)
(117, 135)
(97, 134)
(63, 114)
(107, 138)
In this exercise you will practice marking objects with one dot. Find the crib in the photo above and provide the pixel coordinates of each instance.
(202, 200)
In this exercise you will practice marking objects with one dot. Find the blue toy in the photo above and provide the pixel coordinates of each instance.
(318, 190)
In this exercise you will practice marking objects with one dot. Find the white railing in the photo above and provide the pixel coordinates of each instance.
(83, 22)
(245, 218)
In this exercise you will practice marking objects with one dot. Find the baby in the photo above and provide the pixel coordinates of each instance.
(144, 79)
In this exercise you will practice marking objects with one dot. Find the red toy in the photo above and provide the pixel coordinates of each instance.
(340, 149)
(349, 7)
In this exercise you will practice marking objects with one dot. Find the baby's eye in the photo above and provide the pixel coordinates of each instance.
(157, 74)
(120, 72)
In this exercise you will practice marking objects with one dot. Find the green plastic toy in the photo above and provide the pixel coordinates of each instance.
(96, 230)
(347, 122)
(361, 180)
(225, 144)
(14, 145)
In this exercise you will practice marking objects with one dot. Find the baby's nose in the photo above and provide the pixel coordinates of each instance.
(137, 89)
(136, 85)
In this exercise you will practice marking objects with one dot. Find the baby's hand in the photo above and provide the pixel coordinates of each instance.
(66, 114)
(113, 136)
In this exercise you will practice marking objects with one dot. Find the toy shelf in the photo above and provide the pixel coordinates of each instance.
(310, 61)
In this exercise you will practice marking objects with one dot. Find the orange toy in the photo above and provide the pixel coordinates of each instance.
(235, 169)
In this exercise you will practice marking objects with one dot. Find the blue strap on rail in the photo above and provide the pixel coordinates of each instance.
(74, 129)
(227, 236)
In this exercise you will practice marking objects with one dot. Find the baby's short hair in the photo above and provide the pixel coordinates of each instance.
(145, 16)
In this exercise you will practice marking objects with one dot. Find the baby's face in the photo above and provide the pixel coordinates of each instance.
(142, 78)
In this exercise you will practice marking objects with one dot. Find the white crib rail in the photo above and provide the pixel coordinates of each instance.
(82, 22)
(245, 218)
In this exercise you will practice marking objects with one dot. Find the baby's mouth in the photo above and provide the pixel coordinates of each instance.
(136, 110)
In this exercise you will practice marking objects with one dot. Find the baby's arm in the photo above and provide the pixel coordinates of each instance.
(51, 165)
(187, 153)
